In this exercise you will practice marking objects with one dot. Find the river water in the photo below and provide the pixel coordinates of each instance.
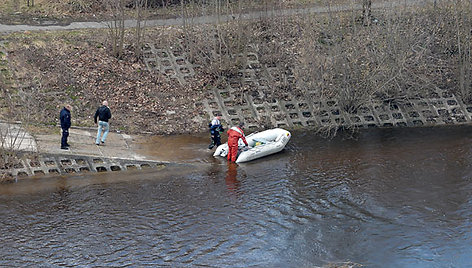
(387, 198)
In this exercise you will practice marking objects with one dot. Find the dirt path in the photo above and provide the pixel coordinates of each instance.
(50, 25)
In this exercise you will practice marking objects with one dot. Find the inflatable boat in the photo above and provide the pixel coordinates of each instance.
(260, 144)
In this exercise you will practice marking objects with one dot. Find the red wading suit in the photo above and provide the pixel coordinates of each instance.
(234, 134)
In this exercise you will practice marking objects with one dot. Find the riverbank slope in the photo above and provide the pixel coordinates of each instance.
(317, 71)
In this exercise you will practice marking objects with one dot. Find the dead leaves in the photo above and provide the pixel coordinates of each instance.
(139, 100)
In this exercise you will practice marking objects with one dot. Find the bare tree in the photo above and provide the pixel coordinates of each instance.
(366, 12)
(463, 24)
(217, 47)
(116, 26)
(141, 12)
(12, 134)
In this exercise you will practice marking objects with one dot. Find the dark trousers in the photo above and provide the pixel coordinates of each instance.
(65, 134)
(215, 141)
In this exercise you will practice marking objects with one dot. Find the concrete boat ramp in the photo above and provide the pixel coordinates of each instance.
(43, 155)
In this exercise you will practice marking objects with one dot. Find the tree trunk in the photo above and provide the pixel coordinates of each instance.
(141, 6)
(117, 26)
(366, 12)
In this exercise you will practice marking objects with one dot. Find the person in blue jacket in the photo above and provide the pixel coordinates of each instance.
(65, 119)
(215, 128)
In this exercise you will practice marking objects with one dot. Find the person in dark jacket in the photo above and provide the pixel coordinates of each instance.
(65, 119)
(103, 114)
(215, 128)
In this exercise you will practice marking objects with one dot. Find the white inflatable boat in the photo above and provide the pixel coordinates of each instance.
(260, 144)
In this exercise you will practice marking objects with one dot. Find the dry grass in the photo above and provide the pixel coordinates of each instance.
(17, 12)
(75, 67)
(404, 55)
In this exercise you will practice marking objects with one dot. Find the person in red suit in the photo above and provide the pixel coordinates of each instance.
(234, 134)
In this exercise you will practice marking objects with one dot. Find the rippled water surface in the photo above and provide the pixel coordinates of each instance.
(389, 198)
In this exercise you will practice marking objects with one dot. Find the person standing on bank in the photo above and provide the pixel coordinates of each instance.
(65, 119)
(103, 114)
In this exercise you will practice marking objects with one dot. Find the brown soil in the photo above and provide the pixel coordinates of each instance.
(48, 69)
(75, 67)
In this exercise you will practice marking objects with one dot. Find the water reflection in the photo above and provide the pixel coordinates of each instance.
(231, 179)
